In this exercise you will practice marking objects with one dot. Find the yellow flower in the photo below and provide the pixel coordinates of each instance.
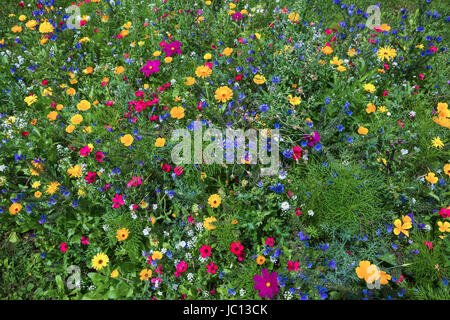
(15, 208)
(114, 273)
(157, 53)
(402, 227)
(76, 119)
(294, 100)
(75, 172)
(127, 140)
(145, 274)
(160, 142)
(203, 72)
(444, 227)
(38, 194)
(177, 112)
(437, 142)
(336, 61)
(52, 187)
(84, 105)
(119, 70)
(207, 56)
(36, 184)
(52, 115)
(207, 223)
(293, 16)
(260, 260)
(361, 271)
(30, 99)
(386, 53)
(189, 81)
(214, 200)
(259, 79)
(223, 94)
(431, 178)
(22, 17)
(99, 261)
(382, 109)
(369, 87)
(227, 51)
(46, 27)
(157, 255)
(122, 234)
(168, 59)
(341, 69)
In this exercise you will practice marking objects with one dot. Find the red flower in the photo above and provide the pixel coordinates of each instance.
(91, 177)
(429, 245)
(293, 265)
(205, 251)
(236, 247)
(445, 213)
(298, 212)
(270, 242)
(165, 167)
(25, 134)
(99, 156)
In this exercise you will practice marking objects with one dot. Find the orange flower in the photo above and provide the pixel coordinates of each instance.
(363, 130)
(15, 208)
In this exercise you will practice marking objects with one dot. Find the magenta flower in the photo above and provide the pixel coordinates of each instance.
(150, 67)
(63, 247)
(172, 48)
(118, 201)
(178, 170)
(205, 251)
(312, 139)
(211, 268)
(85, 151)
(267, 284)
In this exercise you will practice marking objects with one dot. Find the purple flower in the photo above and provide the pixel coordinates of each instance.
(150, 67)
(173, 48)
(266, 284)
(312, 139)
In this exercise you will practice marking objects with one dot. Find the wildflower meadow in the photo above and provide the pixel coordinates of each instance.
(224, 150)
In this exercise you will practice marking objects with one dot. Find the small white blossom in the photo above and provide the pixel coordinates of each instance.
(311, 213)
(285, 206)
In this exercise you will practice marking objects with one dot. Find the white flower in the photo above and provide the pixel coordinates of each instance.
(2, 168)
(190, 276)
(242, 292)
(404, 151)
(282, 175)
(427, 227)
(310, 212)
(146, 231)
(285, 206)
(155, 206)
(163, 250)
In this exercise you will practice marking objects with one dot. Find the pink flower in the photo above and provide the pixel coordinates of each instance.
(445, 213)
(135, 181)
(433, 49)
(181, 267)
(63, 247)
(178, 170)
(429, 245)
(297, 152)
(270, 242)
(298, 212)
(118, 201)
(85, 151)
(150, 67)
(205, 251)
(84, 240)
(211, 268)
(385, 93)
(166, 167)
(267, 284)
(421, 76)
